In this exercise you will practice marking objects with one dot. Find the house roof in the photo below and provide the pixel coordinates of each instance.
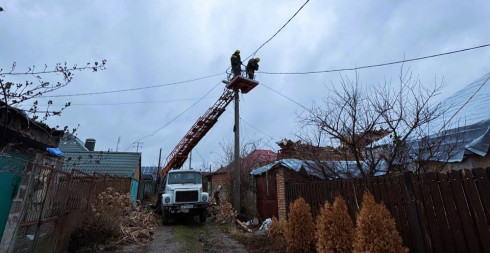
(20, 126)
(71, 143)
(150, 170)
(345, 169)
(122, 164)
(468, 129)
(254, 159)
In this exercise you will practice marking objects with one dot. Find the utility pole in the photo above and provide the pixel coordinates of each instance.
(236, 190)
(155, 188)
(159, 162)
(118, 141)
(138, 145)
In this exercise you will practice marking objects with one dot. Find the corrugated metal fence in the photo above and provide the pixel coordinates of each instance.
(434, 212)
(50, 196)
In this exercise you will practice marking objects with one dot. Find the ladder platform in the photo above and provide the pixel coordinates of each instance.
(244, 84)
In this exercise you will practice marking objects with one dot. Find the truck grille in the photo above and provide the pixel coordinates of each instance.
(186, 196)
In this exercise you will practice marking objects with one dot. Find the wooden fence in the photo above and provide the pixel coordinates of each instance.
(434, 212)
(55, 204)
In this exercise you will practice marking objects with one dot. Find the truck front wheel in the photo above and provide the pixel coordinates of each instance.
(165, 216)
(202, 215)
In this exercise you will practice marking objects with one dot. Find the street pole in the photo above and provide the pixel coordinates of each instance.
(159, 162)
(155, 189)
(236, 190)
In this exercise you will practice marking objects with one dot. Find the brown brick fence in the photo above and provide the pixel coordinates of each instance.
(434, 212)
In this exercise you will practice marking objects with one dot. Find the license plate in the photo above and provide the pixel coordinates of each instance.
(187, 206)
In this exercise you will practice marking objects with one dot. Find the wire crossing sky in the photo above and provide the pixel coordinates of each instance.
(173, 50)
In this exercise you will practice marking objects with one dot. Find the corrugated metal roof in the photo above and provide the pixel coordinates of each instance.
(150, 170)
(345, 169)
(468, 132)
(122, 164)
(71, 143)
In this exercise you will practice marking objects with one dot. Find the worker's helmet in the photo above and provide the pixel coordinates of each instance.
(257, 59)
(237, 51)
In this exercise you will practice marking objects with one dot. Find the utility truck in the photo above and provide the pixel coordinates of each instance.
(177, 194)
(183, 194)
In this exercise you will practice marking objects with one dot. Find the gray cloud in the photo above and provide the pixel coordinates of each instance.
(159, 42)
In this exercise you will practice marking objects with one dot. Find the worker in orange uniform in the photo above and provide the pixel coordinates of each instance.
(236, 62)
(252, 66)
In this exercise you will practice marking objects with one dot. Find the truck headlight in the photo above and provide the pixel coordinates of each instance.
(167, 199)
(204, 198)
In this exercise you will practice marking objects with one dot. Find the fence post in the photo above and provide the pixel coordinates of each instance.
(63, 212)
(49, 177)
(413, 215)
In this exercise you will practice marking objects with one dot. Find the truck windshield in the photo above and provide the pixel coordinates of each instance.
(184, 178)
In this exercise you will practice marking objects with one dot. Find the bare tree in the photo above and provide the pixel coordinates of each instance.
(349, 117)
(406, 111)
(227, 159)
(356, 117)
(16, 93)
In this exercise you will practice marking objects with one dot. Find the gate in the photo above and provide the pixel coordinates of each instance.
(44, 207)
(266, 196)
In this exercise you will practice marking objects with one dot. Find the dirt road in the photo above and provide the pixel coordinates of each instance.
(188, 235)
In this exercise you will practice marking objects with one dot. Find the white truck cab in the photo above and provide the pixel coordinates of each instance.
(183, 193)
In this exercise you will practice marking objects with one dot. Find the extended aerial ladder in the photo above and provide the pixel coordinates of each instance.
(180, 153)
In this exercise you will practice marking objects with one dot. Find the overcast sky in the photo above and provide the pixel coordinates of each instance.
(157, 42)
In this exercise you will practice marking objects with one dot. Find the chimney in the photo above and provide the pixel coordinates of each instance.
(90, 144)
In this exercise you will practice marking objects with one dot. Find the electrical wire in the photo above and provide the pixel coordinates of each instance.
(133, 89)
(263, 44)
(256, 129)
(176, 117)
(139, 102)
(284, 96)
(374, 65)
(465, 103)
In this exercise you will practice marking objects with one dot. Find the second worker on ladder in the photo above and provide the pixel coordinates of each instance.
(252, 66)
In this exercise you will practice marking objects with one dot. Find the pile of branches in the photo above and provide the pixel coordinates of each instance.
(221, 212)
(114, 220)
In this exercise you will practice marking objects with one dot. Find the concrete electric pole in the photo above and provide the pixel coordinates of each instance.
(236, 188)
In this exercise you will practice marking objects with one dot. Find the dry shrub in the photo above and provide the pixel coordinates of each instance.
(112, 220)
(376, 229)
(277, 232)
(300, 232)
(334, 228)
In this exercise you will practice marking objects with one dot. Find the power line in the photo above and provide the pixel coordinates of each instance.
(284, 96)
(133, 89)
(465, 103)
(278, 30)
(174, 83)
(176, 117)
(139, 102)
(256, 129)
(374, 65)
